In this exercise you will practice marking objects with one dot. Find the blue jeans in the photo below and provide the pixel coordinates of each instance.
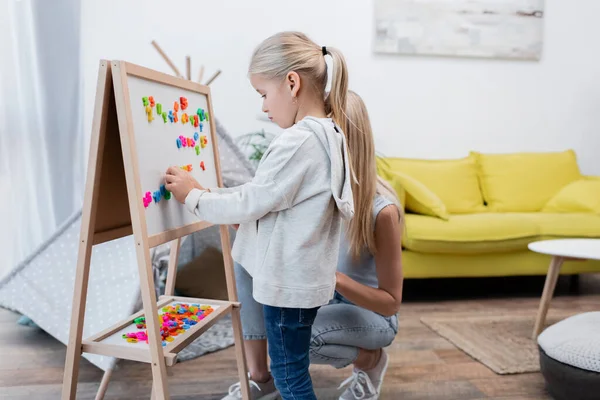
(339, 331)
(288, 338)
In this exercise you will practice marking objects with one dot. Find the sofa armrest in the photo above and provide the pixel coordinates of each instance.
(592, 177)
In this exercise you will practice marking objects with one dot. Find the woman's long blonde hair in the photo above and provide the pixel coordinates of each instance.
(361, 232)
(294, 51)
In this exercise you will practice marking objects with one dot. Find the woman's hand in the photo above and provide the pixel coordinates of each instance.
(180, 183)
(339, 280)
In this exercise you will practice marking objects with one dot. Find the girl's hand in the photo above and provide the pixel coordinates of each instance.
(180, 183)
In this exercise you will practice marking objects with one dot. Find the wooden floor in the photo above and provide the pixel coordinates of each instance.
(422, 364)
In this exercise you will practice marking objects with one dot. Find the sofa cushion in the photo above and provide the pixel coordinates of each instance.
(455, 182)
(524, 182)
(581, 196)
(565, 225)
(418, 198)
(469, 233)
(493, 232)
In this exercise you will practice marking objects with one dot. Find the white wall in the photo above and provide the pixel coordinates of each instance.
(426, 107)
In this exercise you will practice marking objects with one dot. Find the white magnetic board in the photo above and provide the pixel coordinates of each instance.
(158, 148)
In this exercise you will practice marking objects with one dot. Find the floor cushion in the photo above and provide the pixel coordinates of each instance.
(570, 357)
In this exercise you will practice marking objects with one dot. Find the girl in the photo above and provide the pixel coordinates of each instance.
(291, 212)
(360, 320)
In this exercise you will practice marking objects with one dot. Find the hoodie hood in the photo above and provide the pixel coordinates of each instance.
(334, 141)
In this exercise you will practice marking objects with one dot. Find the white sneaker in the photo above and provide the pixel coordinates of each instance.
(366, 385)
(258, 391)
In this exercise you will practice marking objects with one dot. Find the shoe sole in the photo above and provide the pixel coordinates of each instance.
(270, 396)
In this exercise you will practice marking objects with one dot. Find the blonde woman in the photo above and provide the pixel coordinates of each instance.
(361, 319)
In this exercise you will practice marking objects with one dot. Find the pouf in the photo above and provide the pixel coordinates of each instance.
(570, 357)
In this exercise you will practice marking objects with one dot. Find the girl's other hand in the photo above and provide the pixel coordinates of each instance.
(180, 183)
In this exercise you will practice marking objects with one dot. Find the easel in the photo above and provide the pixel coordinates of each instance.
(113, 209)
(172, 266)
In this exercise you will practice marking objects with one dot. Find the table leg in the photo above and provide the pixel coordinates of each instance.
(551, 279)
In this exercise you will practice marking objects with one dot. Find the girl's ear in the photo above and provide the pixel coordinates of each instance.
(293, 81)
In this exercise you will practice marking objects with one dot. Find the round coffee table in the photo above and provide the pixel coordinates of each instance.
(560, 250)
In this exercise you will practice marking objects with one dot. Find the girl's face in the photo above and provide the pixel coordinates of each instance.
(278, 99)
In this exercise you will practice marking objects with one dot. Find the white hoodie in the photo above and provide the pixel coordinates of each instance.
(290, 215)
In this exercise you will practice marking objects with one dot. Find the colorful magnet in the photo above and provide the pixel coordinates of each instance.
(165, 193)
(184, 118)
(202, 166)
(171, 115)
(145, 101)
(203, 141)
(197, 150)
(184, 103)
(176, 106)
(201, 126)
(196, 121)
(147, 199)
(159, 108)
(149, 113)
(196, 136)
(151, 99)
(175, 118)
(164, 116)
(156, 196)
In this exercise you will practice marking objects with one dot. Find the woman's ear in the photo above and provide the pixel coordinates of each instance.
(293, 81)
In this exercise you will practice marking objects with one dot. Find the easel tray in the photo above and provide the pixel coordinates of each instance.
(111, 343)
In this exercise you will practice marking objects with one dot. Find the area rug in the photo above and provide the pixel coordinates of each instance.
(501, 342)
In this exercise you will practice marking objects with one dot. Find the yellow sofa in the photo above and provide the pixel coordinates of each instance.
(475, 216)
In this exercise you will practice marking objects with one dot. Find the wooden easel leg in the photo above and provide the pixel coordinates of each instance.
(152, 392)
(71, 373)
(235, 313)
(238, 337)
(86, 235)
(104, 384)
(551, 279)
(159, 368)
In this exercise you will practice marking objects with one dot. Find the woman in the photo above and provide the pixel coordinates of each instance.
(361, 319)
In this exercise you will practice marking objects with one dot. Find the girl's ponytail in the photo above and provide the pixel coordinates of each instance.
(335, 103)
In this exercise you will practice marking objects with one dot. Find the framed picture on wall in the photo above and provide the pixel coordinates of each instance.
(509, 29)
